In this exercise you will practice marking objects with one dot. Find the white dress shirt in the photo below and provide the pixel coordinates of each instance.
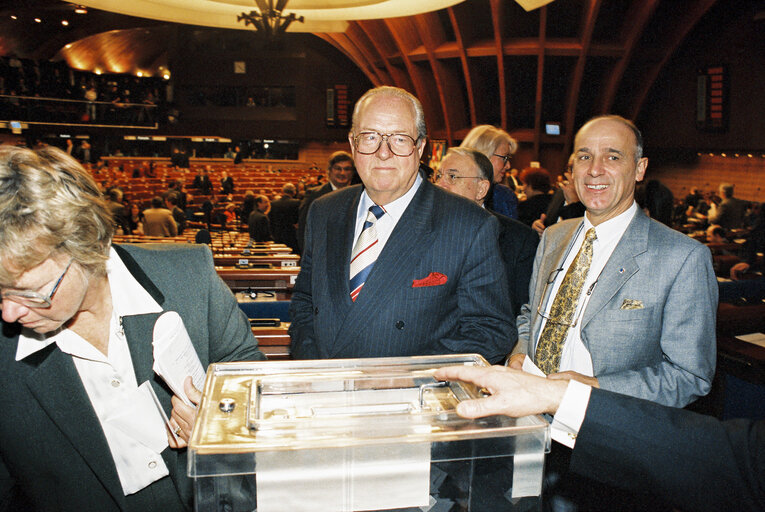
(393, 212)
(575, 355)
(132, 425)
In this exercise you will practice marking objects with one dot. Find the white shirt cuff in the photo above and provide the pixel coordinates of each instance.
(570, 414)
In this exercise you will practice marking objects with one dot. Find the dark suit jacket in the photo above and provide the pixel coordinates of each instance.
(311, 195)
(438, 233)
(258, 226)
(558, 208)
(533, 208)
(203, 184)
(692, 461)
(518, 244)
(283, 217)
(53, 449)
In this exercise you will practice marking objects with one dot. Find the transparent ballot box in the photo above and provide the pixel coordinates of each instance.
(358, 434)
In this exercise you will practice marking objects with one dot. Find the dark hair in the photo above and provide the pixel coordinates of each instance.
(537, 178)
(156, 202)
(340, 156)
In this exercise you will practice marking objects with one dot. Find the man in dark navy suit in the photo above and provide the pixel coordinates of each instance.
(468, 173)
(691, 461)
(437, 283)
(339, 175)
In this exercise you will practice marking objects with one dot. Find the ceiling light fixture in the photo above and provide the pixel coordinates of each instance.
(269, 21)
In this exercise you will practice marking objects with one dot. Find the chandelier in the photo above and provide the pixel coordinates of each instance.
(269, 21)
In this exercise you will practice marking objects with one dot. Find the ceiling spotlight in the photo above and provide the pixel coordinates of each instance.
(38, 20)
(269, 20)
(81, 10)
(65, 23)
(14, 17)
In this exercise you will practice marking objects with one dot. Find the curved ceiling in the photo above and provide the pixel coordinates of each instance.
(320, 15)
(471, 62)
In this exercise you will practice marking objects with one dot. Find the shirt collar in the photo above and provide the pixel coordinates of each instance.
(612, 228)
(128, 298)
(396, 208)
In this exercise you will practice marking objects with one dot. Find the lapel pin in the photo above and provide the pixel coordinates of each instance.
(621, 270)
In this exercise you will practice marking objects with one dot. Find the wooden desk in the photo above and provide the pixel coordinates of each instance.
(274, 342)
(282, 278)
(276, 260)
(236, 251)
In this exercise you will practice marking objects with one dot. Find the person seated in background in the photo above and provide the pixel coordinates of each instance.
(118, 210)
(78, 315)
(468, 173)
(248, 204)
(226, 184)
(716, 235)
(202, 181)
(159, 221)
(257, 223)
(284, 216)
(499, 147)
(537, 190)
(135, 220)
(731, 211)
(171, 203)
(656, 200)
(688, 460)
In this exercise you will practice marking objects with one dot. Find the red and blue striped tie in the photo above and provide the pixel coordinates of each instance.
(365, 251)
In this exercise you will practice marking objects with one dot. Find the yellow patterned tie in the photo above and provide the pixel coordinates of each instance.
(563, 308)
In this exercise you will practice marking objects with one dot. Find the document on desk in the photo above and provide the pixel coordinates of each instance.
(174, 355)
(755, 338)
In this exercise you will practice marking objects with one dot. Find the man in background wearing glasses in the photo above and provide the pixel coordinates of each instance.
(468, 172)
(642, 322)
(398, 267)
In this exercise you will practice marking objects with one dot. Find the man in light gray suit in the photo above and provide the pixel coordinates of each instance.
(644, 321)
(438, 283)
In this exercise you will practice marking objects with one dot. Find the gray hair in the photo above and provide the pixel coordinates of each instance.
(485, 169)
(419, 114)
(486, 139)
(50, 204)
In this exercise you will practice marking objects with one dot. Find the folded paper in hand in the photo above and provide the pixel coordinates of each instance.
(174, 355)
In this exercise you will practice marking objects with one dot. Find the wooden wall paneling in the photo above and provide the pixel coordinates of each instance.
(467, 76)
(403, 31)
(433, 36)
(636, 21)
(496, 21)
(365, 46)
(343, 43)
(685, 23)
(587, 25)
(377, 33)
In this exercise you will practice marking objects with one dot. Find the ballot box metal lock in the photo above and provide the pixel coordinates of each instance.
(357, 434)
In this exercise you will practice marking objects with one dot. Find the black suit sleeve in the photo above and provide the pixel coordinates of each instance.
(693, 461)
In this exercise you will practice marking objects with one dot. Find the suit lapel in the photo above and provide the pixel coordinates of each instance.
(621, 266)
(57, 386)
(411, 237)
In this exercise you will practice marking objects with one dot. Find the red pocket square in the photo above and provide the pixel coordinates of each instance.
(433, 279)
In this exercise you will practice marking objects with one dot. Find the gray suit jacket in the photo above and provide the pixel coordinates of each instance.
(664, 352)
(54, 453)
(439, 232)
